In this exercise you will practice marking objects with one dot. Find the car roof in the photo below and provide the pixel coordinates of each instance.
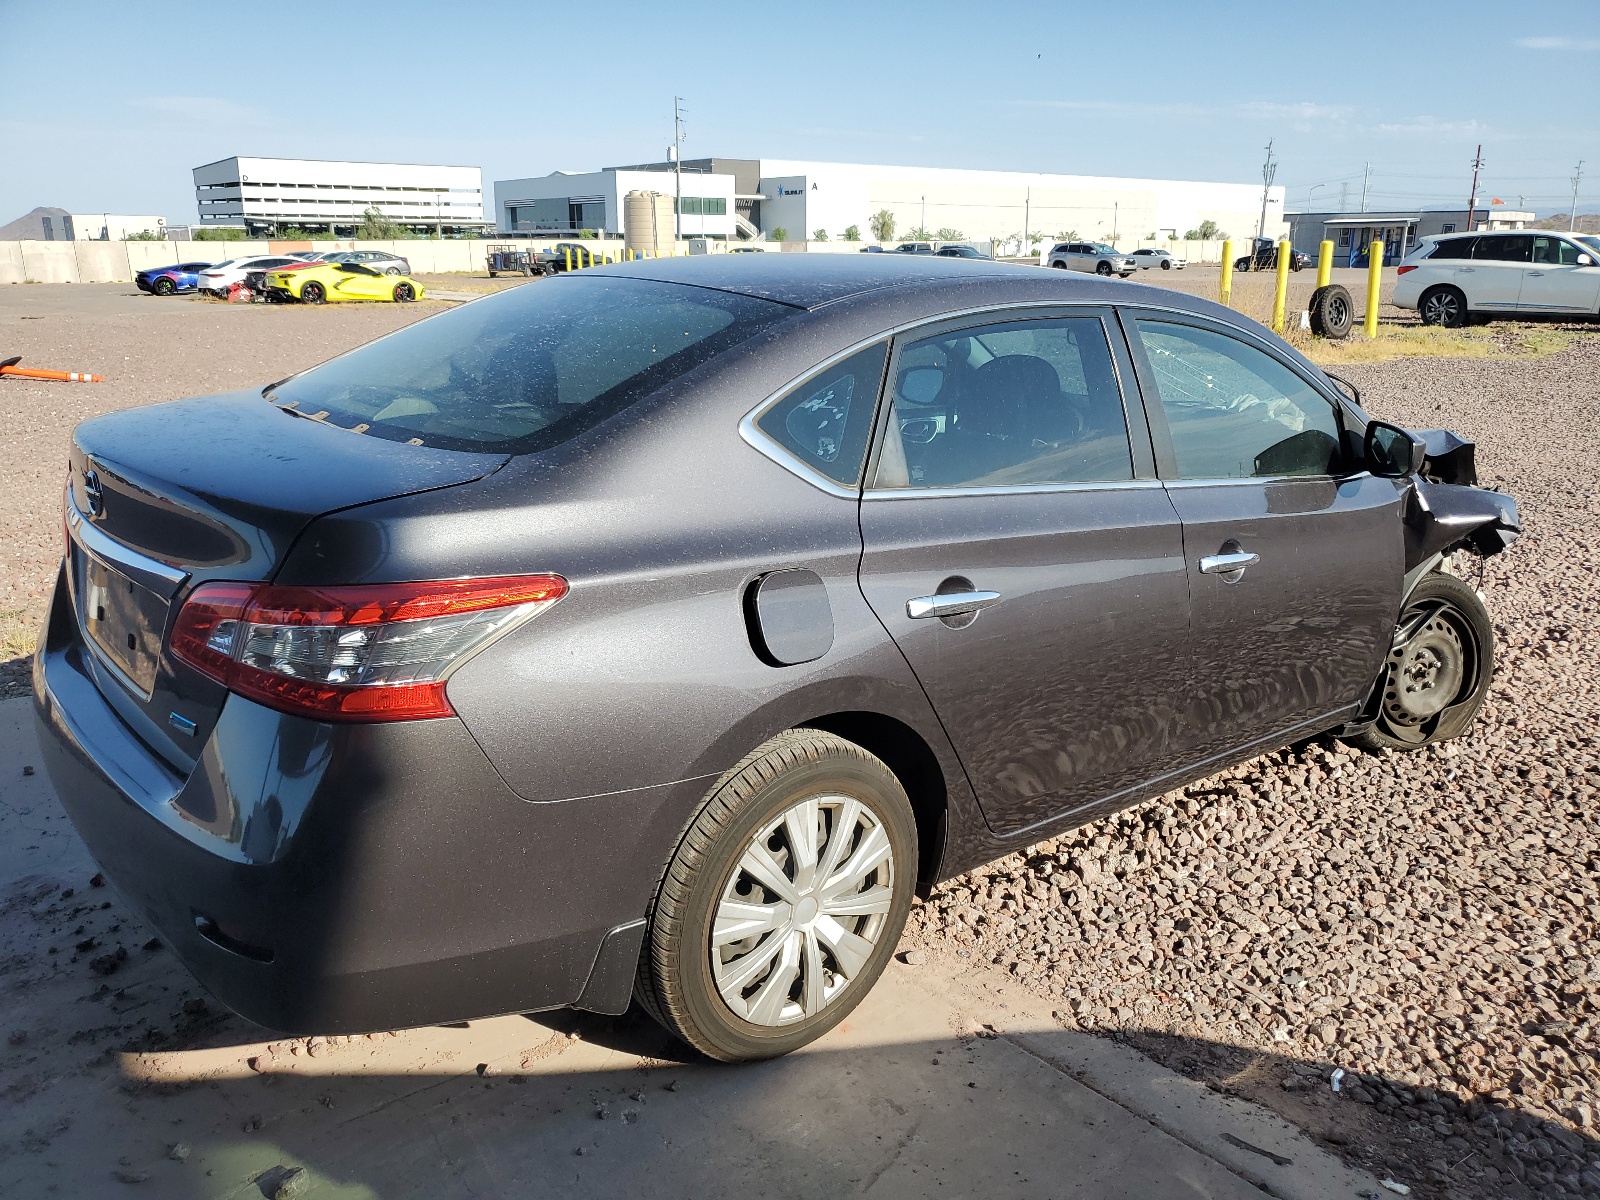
(811, 281)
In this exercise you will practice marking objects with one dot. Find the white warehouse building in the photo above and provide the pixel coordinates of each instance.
(801, 198)
(267, 195)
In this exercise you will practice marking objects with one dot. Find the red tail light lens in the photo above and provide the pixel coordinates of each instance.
(1403, 270)
(377, 652)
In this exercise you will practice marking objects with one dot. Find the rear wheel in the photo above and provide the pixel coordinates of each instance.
(1439, 668)
(784, 901)
(1443, 306)
(313, 292)
(404, 292)
(1060, 264)
(164, 286)
(392, 271)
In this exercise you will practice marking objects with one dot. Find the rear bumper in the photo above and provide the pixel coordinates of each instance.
(340, 879)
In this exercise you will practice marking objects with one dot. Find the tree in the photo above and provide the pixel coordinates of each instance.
(1067, 235)
(375, 227)
(586, 235)
(852, 233)
(220, 234)
(780, 234)
(819, 235)
(882, 225)
(946, 234)
(1207, 232)
(918, 234)
(145, 235)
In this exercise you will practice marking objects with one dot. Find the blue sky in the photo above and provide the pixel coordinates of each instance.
(106, 107)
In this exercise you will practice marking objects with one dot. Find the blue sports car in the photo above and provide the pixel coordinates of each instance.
(166, 281)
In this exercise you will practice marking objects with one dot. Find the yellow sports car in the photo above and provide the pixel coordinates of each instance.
(340, 281)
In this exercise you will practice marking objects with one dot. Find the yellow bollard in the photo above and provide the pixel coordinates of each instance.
(1374, 286)
(1324, 263)
(1280, 292)
(567, 250)
(1227, 272)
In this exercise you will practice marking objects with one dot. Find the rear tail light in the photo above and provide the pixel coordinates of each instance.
(377, 652)
(1403, 270)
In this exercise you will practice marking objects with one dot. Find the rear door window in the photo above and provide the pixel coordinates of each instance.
(1235, 412)
(1019, 404)
(530, 367)
(1504, 247)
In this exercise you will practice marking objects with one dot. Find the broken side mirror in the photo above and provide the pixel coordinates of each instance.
(1392, 452)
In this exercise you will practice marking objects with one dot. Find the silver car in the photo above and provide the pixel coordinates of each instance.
(1150, 257)
(1097, 257)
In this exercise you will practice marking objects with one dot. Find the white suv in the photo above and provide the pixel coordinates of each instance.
(1091, 256)
(1475, 276)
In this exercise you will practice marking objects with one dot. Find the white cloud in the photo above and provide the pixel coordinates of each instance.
(1433, 127)
(1559, 43)
(203, 110)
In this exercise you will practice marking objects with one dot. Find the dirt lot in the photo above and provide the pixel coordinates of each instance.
(1427, 923)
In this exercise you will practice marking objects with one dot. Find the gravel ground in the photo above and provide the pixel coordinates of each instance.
(1427, 922)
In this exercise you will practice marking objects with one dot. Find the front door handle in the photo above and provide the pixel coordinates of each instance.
(1228, 564)
(950, 604)
(1535, 274)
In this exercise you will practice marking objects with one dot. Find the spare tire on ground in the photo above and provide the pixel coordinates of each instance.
(1333, 312)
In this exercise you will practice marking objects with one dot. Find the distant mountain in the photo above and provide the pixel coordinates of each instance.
(1587, 222)
(33, 226)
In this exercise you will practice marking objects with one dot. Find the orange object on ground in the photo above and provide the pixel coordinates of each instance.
(9, 367)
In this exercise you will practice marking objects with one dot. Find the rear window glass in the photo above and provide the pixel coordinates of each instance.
(530, 367)
(826, 421)
(1454, 248)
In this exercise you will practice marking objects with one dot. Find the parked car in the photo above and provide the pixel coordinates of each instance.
(1148, 258)
(430, 683)
(380, 261)
(958, 250)
(1452, 280)
(1091, 256)
(215, 281)
(556, 256)
(1264, 257)
(320, 282)
(914, 248)
(168, 281)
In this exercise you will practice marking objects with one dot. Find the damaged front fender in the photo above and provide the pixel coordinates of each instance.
(1443, 517)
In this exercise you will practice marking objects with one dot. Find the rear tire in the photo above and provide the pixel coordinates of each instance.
(1333, 312)
(812, 952)
(393, 271)
(164, 286)
(1061, 265)
(1434, 683)
(1445, 306)
(311, 292)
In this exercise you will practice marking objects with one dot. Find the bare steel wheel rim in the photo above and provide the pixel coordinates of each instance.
(1432, 666)
(802, 911)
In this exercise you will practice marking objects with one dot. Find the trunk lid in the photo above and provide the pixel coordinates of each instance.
(173, 495)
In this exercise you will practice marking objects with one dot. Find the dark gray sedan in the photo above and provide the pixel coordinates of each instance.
(660, 630)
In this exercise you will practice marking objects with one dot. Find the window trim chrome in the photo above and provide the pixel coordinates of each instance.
(775, 451)
(149, 573)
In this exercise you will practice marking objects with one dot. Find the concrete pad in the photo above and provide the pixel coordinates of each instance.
(106, 1073)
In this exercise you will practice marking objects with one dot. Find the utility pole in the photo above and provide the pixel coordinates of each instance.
(924, 225)
(1472, 198)
(1344, 197)
(1572, 217)
(677, 169)
(1269, 172)
(1027, 206)
(1115, 205)
(1366, 177)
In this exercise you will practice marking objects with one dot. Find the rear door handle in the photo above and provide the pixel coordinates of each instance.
(951, 604)
(1228, 564)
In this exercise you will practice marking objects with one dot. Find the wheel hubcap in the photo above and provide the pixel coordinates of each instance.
(803, 910)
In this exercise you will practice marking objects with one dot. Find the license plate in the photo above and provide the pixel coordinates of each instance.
(123, 620)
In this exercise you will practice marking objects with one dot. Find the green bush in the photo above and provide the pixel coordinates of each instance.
(780, 234)
(919, 234)
(145, 235)
(586, 235)
(217, 235)
(946, 234)
(819, 235)
(1208, 232)
(852, 233)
